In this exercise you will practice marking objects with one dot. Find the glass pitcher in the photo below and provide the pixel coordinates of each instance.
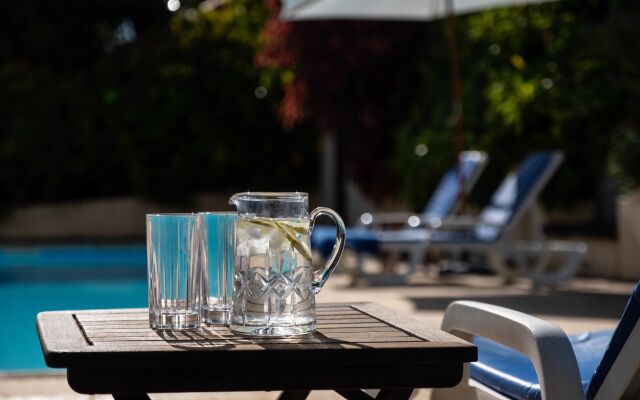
(274, 284)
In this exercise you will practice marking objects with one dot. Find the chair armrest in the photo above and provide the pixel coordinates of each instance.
(546, 344)
(459, 222)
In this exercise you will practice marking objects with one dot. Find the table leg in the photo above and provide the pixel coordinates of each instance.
(131, 396)
(294, 395)
(354, 394)
(384, 394)
(394, 394)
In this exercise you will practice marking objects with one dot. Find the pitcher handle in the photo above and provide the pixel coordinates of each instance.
(332, 262)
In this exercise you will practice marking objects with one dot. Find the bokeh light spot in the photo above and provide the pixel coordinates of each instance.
(173, 5)
(413, 221)
(260, 92)
(366, 218)
(421, 150)
(518, 61)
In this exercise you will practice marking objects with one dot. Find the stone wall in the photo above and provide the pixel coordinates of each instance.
(99, 219)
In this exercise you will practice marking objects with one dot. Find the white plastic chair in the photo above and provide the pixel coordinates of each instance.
(601, 365)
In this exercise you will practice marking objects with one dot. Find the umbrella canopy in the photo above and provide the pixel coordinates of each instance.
(417, 10)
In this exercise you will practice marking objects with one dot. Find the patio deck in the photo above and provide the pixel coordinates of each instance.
(586, 304)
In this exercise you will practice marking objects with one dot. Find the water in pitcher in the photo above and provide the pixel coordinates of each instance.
(272, 277)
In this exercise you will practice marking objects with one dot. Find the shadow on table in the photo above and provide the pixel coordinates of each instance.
(206, 338)
(566, 303)
(193, 338)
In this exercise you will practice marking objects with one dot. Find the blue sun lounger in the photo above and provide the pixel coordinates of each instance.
(441, 206)
(525, 358)
(444, 202)
(494, 233)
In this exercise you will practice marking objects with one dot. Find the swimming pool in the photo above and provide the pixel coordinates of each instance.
(44, 278)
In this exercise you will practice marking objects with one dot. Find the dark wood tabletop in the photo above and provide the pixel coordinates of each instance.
(356, 346)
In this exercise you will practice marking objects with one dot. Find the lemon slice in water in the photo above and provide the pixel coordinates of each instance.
(289, 230)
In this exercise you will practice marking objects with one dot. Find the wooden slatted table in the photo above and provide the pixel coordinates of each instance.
(356, 346)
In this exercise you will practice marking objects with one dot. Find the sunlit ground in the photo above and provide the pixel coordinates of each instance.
(584, 304)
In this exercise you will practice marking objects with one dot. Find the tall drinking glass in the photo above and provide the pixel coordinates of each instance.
(217, 243)
(174, 277)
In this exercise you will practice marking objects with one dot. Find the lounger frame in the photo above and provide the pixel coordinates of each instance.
(508, 246)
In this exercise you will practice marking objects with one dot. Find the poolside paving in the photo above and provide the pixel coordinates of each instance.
(584, 304)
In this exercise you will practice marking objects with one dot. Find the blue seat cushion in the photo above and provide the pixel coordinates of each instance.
(441, 237)
(630, 318)
(323, 238)
(512, 374)
(369, 241)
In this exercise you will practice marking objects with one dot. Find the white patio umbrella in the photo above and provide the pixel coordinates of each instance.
(393, 10)
(404, 10)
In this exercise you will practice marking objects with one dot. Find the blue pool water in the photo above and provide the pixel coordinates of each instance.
(48, 278)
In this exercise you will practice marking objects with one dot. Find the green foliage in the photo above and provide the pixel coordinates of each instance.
(623, 32)
(624, 158)
(88, 110)
(535, 77)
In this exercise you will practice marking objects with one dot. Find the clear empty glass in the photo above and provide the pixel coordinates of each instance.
(174, 277)
(217, 238)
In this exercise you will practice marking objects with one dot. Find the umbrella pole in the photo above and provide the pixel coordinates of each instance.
(456, 94)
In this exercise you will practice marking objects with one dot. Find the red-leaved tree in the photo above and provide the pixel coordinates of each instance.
(353, 78)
